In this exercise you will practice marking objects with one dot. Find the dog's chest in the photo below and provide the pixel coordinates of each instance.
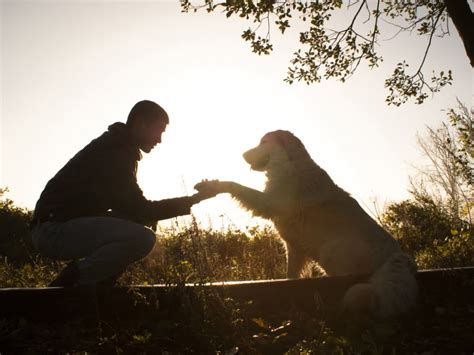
(291, 228)
(303, 229)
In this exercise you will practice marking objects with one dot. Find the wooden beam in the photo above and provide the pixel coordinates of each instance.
(315, 295)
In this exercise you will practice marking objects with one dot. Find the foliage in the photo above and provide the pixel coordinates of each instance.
(418, 223)
(15, 242)
(449, 149)
(337, 53)
(37, 273)
(455, 250)
(435, 224)
(430, 233)
(463, 154)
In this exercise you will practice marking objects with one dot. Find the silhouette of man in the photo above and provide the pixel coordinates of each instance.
(93, 211)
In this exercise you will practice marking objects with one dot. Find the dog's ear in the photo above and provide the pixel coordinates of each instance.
(293, 146)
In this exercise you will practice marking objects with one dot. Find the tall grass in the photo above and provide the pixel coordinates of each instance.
(190, 253)
(182, 253)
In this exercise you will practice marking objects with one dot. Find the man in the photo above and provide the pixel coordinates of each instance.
(93, 211)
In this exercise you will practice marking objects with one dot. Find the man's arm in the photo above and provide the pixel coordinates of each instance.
(173, 207)
(128, 198)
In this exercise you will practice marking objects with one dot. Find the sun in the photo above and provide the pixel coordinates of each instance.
(192, 151)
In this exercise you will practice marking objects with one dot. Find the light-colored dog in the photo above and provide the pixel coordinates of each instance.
(319, 221)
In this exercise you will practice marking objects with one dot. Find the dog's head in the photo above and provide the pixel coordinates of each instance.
(275, 147)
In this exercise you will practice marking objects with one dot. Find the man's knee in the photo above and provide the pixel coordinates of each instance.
(146, 241)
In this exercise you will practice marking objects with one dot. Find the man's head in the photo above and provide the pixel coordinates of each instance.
(147, 121)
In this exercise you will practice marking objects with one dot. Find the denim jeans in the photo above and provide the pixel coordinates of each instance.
(104, 245)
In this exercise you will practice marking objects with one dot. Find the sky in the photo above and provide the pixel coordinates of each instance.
(69, 69)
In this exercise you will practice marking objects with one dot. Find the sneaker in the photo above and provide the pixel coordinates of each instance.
(68, 277)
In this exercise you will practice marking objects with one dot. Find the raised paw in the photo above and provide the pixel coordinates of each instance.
(208, 186)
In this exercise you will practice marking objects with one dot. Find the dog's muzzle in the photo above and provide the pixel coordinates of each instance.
(257, 161)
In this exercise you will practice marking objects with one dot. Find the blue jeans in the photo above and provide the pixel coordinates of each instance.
(105, 245)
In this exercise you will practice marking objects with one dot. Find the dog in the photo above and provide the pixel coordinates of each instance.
(319, 221)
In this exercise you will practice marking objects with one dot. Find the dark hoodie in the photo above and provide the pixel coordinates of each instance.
(101, 180)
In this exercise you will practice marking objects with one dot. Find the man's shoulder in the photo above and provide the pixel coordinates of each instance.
(114, 142)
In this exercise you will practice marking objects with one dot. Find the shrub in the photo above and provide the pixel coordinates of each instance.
(427, 231)
(418, 223)
(455, 251)
(15, 241)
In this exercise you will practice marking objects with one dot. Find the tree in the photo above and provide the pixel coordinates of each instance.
(337, 53)
(435, 224)
(449, 176)
(463, 123)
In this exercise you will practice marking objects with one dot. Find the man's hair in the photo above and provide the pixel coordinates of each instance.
(148, 111)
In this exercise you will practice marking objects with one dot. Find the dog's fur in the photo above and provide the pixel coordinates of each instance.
(319, 221)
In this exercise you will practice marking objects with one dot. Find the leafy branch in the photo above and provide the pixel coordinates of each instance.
(337, 53)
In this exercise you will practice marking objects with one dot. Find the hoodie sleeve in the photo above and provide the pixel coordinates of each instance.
(128, 199)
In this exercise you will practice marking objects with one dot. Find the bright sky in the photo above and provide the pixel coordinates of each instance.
(71, 68)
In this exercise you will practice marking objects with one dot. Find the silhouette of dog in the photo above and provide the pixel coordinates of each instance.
(319, 221)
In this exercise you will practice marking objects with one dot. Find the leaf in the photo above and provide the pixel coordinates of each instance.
(260, 322)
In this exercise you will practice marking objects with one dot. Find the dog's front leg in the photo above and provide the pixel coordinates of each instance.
(296, 262)
(256, 201)
(259, 203)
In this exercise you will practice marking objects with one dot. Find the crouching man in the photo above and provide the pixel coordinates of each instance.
(94, 213)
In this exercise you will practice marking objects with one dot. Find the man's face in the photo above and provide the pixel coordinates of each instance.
(149, 134)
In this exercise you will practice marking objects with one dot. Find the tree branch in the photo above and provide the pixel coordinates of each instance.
(429, 44)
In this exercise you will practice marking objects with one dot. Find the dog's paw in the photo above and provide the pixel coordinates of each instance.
(207, 186)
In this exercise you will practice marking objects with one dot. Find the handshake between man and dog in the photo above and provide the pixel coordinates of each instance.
(319, 221)
(94, 214)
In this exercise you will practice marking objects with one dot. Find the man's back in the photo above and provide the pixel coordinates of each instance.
(88, 183)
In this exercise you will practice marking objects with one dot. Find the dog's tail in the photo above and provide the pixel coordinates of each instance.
(392, 290)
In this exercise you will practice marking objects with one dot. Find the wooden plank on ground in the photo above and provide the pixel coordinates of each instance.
(317, 295)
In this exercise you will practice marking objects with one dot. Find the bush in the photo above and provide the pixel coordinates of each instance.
(15, 240)
(455, 251)
(37, 273)
(430, 233)
(417, 224)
